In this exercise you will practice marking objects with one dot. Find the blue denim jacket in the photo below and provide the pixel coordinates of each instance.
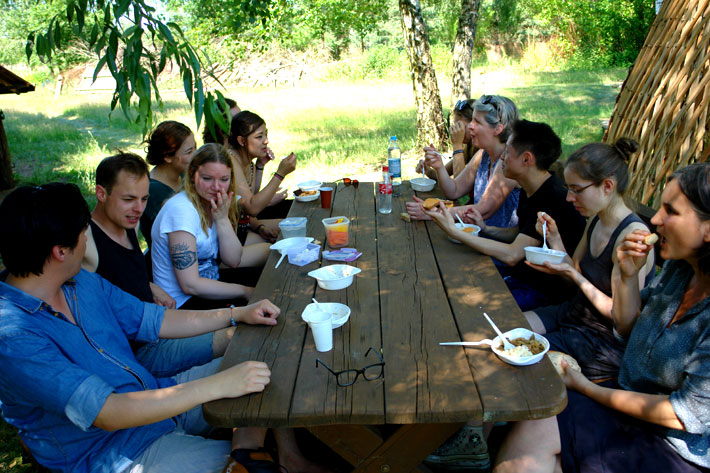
(55, 376)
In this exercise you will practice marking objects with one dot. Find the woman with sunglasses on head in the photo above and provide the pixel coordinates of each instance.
(462, 149)
(170, 149)
(494, 196)
(248, 141)
(197, 228)
(597, 176)
(657, 416)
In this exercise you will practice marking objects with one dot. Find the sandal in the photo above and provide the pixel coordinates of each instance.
(243, 460)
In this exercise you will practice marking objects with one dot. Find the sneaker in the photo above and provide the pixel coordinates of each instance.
(243, 460)
(465, 450)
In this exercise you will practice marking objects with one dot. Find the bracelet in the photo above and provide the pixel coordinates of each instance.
(232, 322)
(458, 151)
(279, 176)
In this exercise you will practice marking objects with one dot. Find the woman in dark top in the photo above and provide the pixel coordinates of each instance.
(170, 149)
(597, 175)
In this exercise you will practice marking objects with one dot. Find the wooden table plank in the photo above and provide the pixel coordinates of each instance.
(318, 399)
(425, 384)
(474, 286)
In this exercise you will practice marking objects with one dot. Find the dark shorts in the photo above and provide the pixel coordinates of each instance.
(598, 356)
(596, 439)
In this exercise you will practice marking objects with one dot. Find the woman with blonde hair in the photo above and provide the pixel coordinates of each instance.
(197, 228)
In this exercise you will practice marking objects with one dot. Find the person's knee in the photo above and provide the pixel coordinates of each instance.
(535, 322)
(220, 341)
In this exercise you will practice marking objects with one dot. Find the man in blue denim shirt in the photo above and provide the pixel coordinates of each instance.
(68, 379)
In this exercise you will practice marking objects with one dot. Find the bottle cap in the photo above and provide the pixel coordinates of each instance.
(385, 168)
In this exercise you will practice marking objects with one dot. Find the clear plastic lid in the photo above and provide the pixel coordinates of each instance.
(293, 222)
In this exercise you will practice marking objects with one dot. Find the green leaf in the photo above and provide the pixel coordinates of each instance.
(70, 11)
(79, 17)
(94, 35)
(209, 113)
(58, 36)
(122, 8)
(99, 66)
(199, 102)
(166, 32)
(187, 84)
(29, 45)
(195, 63)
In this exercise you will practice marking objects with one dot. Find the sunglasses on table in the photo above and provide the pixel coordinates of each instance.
(350, 182)
(346, 378)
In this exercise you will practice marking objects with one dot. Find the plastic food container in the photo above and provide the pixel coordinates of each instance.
(336, 231)
(337, 276)
(312, 185)
(422, 184)
(520, 360)
(468, 228)
(293, 227)
(538, 255)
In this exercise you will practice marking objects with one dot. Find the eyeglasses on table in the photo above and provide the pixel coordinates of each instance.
(346, 378)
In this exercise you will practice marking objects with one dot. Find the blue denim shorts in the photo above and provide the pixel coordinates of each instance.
(167, 357)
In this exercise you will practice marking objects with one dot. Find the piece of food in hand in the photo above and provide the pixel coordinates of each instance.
(432, 202)
(556, 358)
(650, 239)
(405, 216)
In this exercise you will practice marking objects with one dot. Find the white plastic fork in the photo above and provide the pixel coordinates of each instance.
(506, 344)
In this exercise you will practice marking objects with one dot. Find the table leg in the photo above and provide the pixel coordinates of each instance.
(403, 451)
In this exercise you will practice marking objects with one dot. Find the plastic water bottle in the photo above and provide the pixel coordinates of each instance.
(394, 161)
(384, 200)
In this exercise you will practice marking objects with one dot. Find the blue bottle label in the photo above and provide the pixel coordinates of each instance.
(395, 166)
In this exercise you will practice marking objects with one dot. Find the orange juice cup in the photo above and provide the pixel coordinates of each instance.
(336, 231)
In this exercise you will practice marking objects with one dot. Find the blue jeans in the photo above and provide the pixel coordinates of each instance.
(167, 357)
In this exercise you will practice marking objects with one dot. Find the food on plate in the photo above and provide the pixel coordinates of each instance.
(529, 346)
(405, 216)
(432, 202)
(556, 358)
(305, 193)
(650, 239)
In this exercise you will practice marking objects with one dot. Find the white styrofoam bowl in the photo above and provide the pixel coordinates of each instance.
(524, 360)
(312, 185)
(334, 277)
(340, 313)
(308, 198)
(422, 184)
(538, 255)
(476, 229)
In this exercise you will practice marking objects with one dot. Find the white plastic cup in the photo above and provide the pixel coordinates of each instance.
(322, 329)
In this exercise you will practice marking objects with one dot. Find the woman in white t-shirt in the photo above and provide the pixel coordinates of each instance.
(195, 231)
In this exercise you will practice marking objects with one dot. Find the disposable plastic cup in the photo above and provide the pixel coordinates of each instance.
(326, 197)
(322, 329)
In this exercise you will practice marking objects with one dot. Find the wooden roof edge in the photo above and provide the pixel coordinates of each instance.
(13, 84)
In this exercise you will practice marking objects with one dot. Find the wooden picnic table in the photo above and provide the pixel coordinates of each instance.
(416, 289)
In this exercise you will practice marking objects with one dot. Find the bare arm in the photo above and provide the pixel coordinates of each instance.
(454, 188)
(498, 189)
(91, 255)
(230, 249)
(183, 253)
(126, 410)
(254, 203)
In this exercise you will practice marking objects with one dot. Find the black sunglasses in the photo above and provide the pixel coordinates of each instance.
(462, 105)
(346, 378)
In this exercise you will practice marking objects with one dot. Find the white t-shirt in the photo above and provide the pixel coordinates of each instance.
(178, 214)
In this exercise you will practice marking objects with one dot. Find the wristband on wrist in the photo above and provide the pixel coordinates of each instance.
(458, 151)
(279, 176)
(232, 322)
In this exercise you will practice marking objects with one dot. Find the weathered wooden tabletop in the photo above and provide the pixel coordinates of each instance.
(416, 289)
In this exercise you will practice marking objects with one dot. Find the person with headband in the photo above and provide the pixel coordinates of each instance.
(656, 416)
(493, 196)
(597, 176)
(248, 141)
(170, 149)
(196, 228)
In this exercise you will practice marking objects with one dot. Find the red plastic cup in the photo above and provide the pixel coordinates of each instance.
(326, 197)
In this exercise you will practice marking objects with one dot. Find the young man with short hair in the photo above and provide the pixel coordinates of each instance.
(530, 151)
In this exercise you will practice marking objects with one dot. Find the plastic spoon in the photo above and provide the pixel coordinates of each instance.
(506, 344)
(460, 221)
(283, 255)
(544, 234)
(320, 307)
(485, 341)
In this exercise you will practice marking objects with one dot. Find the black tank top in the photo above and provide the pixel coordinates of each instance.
(120, 266)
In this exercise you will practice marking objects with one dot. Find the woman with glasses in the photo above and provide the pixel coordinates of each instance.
(493, 195)
(656, 417)
(463, 149)
(248, 141)
(597, 175)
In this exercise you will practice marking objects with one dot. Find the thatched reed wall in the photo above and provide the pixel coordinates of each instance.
(664, 101)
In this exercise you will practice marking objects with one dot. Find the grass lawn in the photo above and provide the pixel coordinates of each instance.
(336, 130)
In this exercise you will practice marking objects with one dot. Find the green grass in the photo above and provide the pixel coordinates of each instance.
(336, 129)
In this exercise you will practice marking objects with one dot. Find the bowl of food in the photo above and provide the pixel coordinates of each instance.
(529, 348)
(312, 185)
(334, 277)
(467, 228)
(340, 313)
(287, 243)
(538, 255)
(422, 184)
(307, 196)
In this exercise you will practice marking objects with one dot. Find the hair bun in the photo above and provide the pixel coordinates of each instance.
(626, 147)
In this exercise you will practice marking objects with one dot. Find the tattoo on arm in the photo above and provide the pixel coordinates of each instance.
(182, 257)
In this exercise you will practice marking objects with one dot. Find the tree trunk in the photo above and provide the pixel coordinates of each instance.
(6, 179)
(463, 51)
(430, 119)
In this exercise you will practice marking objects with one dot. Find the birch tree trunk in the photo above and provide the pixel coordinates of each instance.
(430, 119)
(463, 51)
(6, 179)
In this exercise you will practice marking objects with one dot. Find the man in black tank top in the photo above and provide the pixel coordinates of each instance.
(113, 252)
